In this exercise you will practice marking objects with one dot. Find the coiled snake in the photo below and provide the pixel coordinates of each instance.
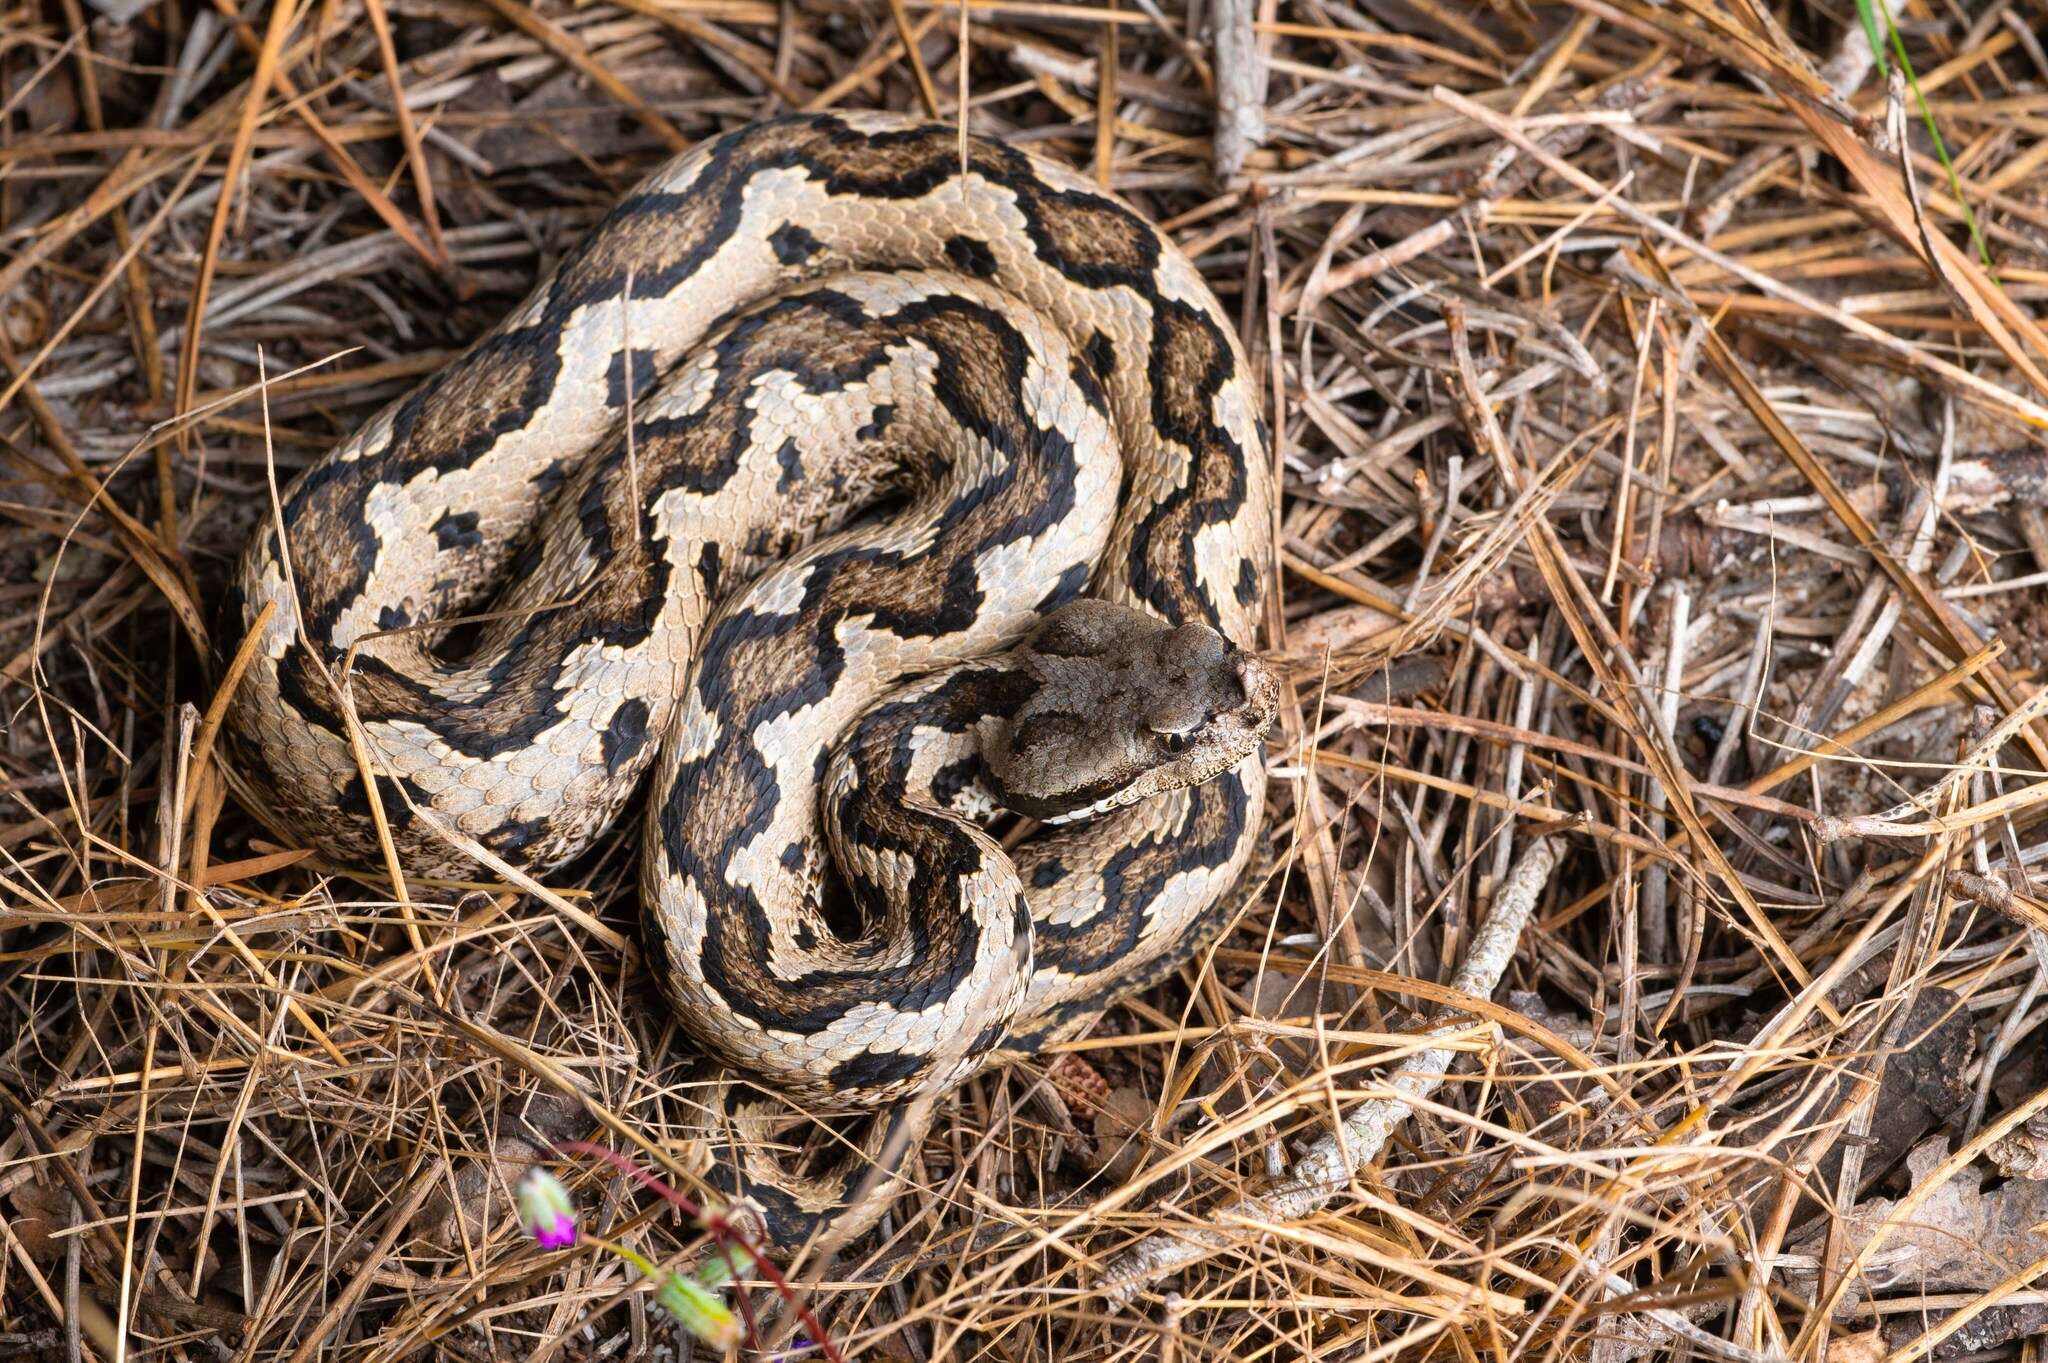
(805, 450)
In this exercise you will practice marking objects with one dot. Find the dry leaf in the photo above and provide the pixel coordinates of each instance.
(1960, 1238)
(1119, 1124)
(1864, 1348)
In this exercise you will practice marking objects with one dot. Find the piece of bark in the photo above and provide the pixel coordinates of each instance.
(1240, 87)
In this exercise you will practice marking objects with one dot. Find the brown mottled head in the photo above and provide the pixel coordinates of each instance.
(1125, 707)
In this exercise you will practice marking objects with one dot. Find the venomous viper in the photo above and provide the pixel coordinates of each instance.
(787, 484)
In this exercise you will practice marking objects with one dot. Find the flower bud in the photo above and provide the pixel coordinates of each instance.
(546, 1211)
(699, 1310)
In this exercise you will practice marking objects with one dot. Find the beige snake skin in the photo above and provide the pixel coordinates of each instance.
(887, 420)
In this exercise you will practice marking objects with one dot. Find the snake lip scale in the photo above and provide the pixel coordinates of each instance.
(944, 494)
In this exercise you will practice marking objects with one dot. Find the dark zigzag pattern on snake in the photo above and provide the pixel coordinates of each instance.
(1188, 367)
(477, 727)
(814, 1000)
(412, 450)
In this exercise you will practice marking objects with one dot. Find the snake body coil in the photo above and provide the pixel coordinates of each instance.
(890, 418)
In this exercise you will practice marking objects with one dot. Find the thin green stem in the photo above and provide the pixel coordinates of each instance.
(631, 1256)
(1876, 39)
(1868, 11)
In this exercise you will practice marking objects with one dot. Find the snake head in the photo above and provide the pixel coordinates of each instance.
(1124, 707)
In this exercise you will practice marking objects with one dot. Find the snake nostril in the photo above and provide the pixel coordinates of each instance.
(1241, 678)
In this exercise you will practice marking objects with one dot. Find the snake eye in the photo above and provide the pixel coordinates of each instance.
(1173, 742)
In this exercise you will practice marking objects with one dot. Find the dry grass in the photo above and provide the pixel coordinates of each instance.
(1635, 383)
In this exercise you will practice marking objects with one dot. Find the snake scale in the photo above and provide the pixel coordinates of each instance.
(862, 482)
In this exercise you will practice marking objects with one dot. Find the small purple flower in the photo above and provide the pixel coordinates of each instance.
(546, 1211)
